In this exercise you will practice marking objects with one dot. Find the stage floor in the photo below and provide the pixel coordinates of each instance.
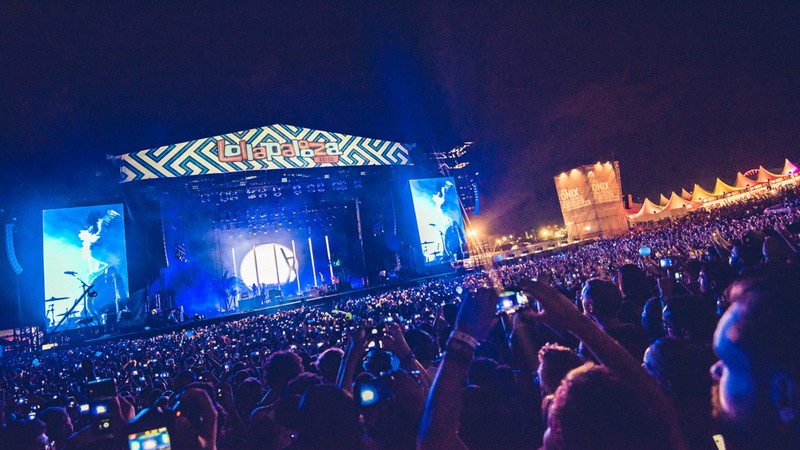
(82, 337)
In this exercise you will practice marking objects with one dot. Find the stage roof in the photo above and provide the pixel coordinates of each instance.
(266, 148)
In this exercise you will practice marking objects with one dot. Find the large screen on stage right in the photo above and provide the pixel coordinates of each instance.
(439, 220)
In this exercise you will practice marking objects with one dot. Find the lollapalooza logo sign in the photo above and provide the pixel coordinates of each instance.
(319, 152)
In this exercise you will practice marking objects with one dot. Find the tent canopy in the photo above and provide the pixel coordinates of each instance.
(676, 202)
(765, 175)
(649, 211)
(789, 168)
(721, 188)
(743, 182)
(699, 194)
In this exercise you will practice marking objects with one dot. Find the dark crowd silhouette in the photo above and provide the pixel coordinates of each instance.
(681, 334)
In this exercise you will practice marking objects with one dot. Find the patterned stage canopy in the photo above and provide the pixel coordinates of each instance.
(265, 148)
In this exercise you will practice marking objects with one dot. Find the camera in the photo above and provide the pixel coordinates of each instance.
(678, 276)
(510, 302)
(665, 262)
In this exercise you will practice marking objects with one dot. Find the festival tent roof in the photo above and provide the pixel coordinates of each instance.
(699, 194)
(663, 201)
(676, 202)
(789, 168)
(649, 211)
(721, 188)
(765, 175)
(743, 182)
(685, 194)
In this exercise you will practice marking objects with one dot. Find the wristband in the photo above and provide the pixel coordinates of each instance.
(458, 350)
(465, 338)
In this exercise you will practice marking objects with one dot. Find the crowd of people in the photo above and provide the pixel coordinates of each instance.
(679, 335)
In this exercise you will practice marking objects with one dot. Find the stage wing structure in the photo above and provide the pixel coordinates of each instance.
(270, 147)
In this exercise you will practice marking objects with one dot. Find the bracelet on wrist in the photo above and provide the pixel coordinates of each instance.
(465, 338)
(459, 351)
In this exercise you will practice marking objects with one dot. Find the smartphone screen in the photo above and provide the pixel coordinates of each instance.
(156, 439)
(510, 301)
(101, 389)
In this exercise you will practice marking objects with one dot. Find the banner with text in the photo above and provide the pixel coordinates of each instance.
(591, 201)
(265, 148)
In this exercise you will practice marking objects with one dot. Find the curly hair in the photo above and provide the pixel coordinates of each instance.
(594, 409)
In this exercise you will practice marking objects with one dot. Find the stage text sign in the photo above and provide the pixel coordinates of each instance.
(270, 147)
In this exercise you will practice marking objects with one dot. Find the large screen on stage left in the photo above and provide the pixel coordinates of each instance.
(84, 245)
(439, 220)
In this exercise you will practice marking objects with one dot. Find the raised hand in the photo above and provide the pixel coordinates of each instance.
(554, 309)
(477, 314)
(395, 340)
(358, 342)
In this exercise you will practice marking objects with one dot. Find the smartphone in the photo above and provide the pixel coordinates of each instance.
(678, 276)
(100, 393)
(100, 389)
(510, 302)
(372, 392)
(155, 439)
(665, 262)
(374, 337)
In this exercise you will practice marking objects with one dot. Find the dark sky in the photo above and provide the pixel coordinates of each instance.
(677, 93)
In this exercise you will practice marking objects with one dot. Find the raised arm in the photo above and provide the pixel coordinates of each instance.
(558, 311)
(395, 342)
(440, 421)
(786, 237)
(352, 358)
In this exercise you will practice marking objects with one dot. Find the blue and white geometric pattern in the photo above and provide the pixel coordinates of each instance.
(265, 148)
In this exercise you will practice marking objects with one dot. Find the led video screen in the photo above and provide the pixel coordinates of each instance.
(439, 221)
(84, 245)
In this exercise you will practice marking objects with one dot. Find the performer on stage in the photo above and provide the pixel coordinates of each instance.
(104, 251)
(455, 242)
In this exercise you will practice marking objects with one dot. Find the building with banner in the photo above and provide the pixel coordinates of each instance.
(591, 201)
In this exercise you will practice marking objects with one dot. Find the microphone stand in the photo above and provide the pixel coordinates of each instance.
(441, 236)
(86, 290)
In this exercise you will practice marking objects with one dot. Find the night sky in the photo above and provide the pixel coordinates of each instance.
(678, 94)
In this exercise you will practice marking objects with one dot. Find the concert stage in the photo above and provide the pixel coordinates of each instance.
(214, 227)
